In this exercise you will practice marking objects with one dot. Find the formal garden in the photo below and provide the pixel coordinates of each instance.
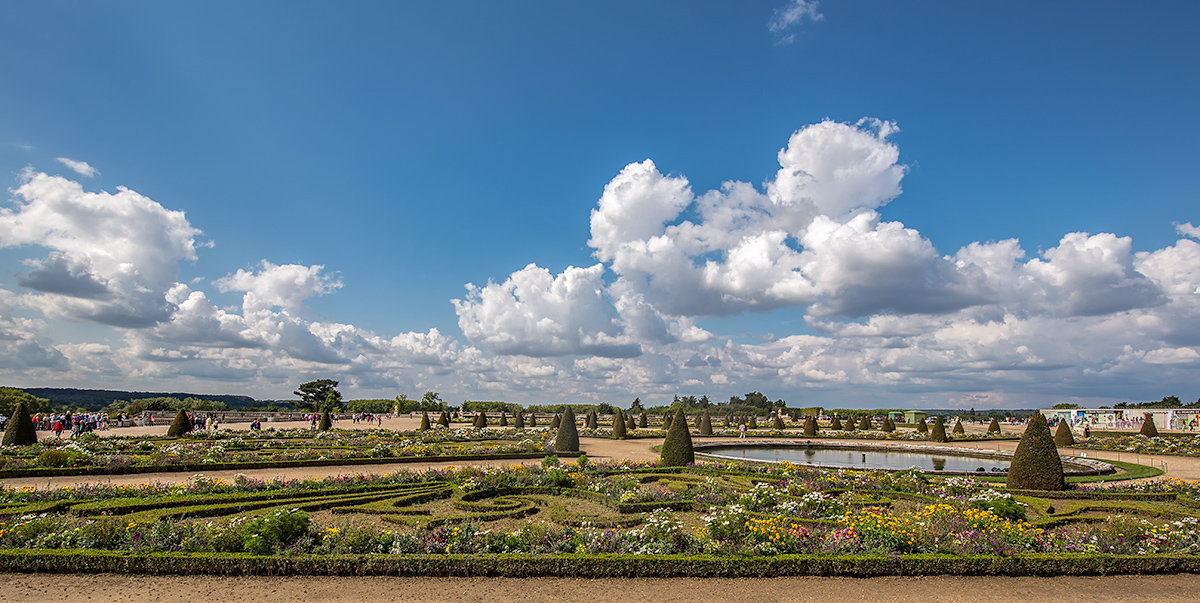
(568, 515)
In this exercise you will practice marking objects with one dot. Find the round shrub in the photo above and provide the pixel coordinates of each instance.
(1036, 464)
(326, 423)
(181, 425)
(425, 422)
(1149, 429)
(1063, 435)
(705, 424)
(677, 447)
(20, 430)
(994, 426)
(810, 426)
(619, 431)
(568, 434)
(939, 431)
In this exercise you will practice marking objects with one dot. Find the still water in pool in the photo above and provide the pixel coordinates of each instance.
(863, 459)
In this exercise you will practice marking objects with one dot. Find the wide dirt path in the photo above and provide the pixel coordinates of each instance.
(933, 589)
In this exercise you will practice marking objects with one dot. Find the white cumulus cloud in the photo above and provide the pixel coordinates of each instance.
(79, 167)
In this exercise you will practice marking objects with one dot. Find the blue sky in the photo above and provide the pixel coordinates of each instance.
(266, 193)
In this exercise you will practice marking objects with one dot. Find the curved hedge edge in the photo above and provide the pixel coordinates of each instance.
(590, 566)
(283, 464)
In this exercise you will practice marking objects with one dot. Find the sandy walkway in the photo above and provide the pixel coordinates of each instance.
(933, 589)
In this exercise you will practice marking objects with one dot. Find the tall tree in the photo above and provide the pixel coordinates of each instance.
(321, 394)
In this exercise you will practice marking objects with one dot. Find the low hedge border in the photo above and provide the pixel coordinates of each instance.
(283, 464)
(592, 566)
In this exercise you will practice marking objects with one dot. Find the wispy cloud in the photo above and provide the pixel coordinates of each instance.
(790, 17)
(80, 167)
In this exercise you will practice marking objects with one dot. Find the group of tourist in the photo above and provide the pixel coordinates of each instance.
(72, 423)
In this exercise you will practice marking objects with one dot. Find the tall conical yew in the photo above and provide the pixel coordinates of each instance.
(837, 423)
(643, 421)
(753, 422)
(1063, 435)
(705, 423)
(630, 424)
(810, 426)
(865, 424)
(503, 419)
(619, 431)
(994, 426)
(677, 447)
(568, 433)
(1036, 464)
(519, 421)
(326, 422)
(667, 422)
(20, 430)
(922, 426)
(778, 422)
(1149, 429)
(849, 424)
(939, 430)
(556, 422)
(533, 419)
(958, 427)
(888, 425)
(424, 421)
(444, 420)
(593, 420)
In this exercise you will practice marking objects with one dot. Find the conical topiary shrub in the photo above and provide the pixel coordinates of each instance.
(630, 424)
(519, 421)
(777, 424)
(568, 433)
(848, 425)
(888, 425)
(326, 422)
(593, 420)
(939, 431)
(503, 419)
(643, 421)
(705, 424)
(444, 419)
(556, 422)
(533, 419)
(753, 422)
(677, 447)
(810, 426)
(1149, 429)
(837, 423)
(425, 422)
(958, 428)
(181, 425)
(619, 432)
(865, 424)
(699, 418)
(20, 430)
(994, 426)
(1036, 464)
(667, 422)
(480, 420)
(922, 426)
(1063, 435)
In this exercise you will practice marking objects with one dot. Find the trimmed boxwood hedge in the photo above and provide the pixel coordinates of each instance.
(591, 566)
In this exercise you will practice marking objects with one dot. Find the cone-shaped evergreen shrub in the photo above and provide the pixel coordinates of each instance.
(753, 422)
(518, 421)
(939, 431)
(849, 424)
(677, 447)
(865, 423)
(480, 420)
(424, 421)
(630, 424)
(1063, 435)
(326, 422)
(593, 420)
(994, 426)
(837, 423)
(444, 419)
(706, 424)
(643, 421)
(810, 426)
(568, 433)
(1149, 429)
(503, 419)
(667, 421)
(181, 425)
(20, 430)
(958, 427)
(533, 419)
(888, 425)
(1036, 464)
(556, 422)
(778, 422)
(619, 432)
(922, 427)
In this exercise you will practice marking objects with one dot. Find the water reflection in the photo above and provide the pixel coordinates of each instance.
(864, 459)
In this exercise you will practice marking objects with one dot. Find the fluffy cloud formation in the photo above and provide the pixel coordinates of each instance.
(113, 256)
(787, 19)
(79, 167)
(284, 286)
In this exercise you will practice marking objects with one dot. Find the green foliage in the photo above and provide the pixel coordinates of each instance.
(994, 426)
(567, 439)
(618, 426)
(480, 420)
(865, 424)
(503, 419)
(533, 419)
(163, 404)
(432, 400)
(643, 421)
(425, 426)
(1036, 464)
(444, 419)
(1149, 429)
(677, 447)
(181, 425)
(837, 423)
(939, 430)
(382, 407)
(1063, 435)
(556, 422)
(753, 422)
(1065, 405)
(705, 423)
(888, 425)
(272, 532)
(630, 424)
(922, 427)
(19, 431)
(667, 422)
(810, 426)
(326, 423)
(492, 406)
(593, 421)
(778, 422)
(519, 421)
(958, 427)
(321, 394)
(848, 425)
